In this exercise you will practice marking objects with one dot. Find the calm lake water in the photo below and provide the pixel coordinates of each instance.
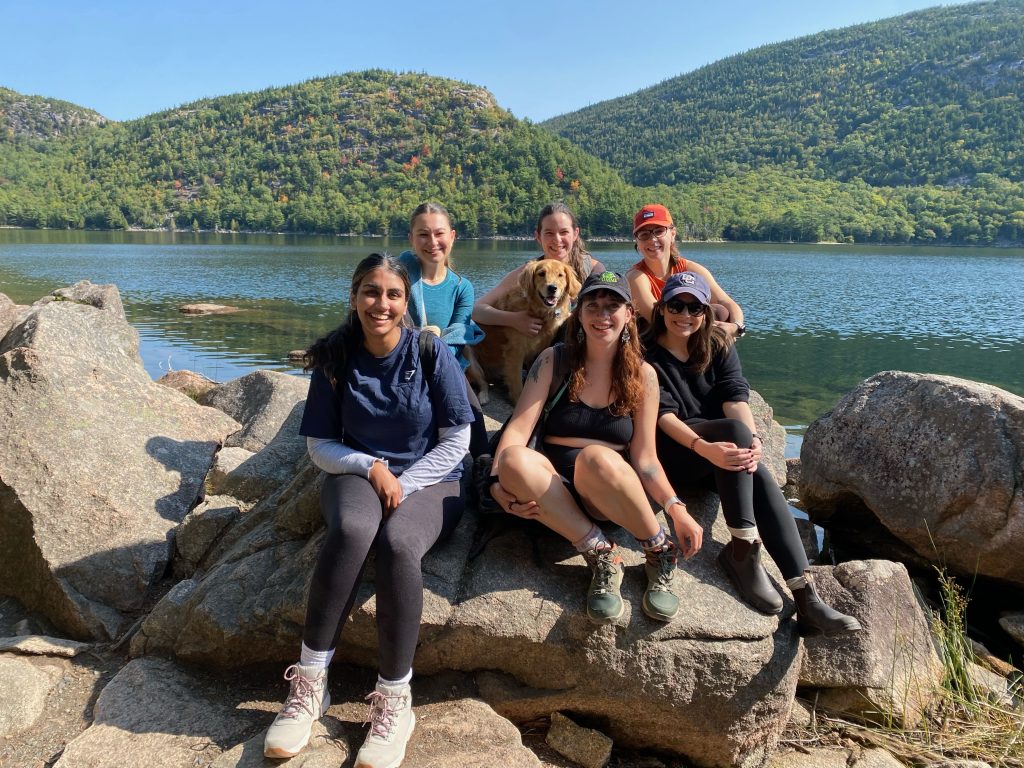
(820, 318)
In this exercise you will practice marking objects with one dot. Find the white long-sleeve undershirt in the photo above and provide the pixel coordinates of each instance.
(335, 457)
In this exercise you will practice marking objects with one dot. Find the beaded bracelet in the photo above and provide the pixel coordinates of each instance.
(694, 442)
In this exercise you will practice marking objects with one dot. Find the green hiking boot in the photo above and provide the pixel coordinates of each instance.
(660, 603)
(604, 603)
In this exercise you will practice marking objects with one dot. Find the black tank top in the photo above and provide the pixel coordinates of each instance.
(569, 419)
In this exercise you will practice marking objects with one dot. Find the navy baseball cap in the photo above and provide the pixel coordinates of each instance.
(686, 282)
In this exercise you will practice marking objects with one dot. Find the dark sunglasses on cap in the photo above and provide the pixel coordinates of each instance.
(676, 307)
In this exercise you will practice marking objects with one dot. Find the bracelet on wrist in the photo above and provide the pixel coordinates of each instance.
(670, 501)
(693, 443)
(755, 436)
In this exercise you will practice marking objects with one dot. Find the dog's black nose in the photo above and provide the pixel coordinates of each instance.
(552, 289)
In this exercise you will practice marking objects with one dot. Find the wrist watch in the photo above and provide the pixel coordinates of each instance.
(740, 329)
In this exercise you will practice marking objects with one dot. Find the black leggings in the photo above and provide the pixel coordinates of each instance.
(477, 428)
(355, 521)
(747, 500)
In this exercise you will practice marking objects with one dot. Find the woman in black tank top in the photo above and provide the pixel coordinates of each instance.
(600, 445)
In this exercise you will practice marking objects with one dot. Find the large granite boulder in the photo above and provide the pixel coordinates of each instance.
(263, 454)
(97, 465)
(100, 296)
(938, 461)
(267, 404)
(890, 671)
(716, 684)
(773, 437)
(8, 315)
(156, 713)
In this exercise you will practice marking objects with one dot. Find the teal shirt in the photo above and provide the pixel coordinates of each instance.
(448, 305)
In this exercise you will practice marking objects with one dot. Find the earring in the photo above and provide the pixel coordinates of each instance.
(580, 335)
(625, 336)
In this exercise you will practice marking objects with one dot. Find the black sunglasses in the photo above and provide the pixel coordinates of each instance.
(676, 307)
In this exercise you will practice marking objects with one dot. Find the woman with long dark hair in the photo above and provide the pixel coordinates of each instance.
(597, 461)
(389, 424)
(707, 439)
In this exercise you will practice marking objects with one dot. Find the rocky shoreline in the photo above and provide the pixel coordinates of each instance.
(156, 544)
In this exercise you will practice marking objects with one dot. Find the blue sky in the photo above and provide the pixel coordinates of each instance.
(540, 59)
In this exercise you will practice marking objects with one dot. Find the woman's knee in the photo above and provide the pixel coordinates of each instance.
(729, 431)
(602, 465)
(520, 465)
(348, 503)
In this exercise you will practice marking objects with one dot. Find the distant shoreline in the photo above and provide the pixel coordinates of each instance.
(518, 238)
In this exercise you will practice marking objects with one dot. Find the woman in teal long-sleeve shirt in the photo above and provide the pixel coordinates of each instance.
(441, 300)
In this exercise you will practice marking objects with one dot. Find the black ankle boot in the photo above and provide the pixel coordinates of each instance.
(749, 577)
(816, 618)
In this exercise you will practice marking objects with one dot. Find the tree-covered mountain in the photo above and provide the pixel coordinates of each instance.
(350, 153)
(907, 130)
(933, 97)
(35, 117)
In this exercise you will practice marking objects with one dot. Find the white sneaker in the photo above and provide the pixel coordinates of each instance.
(391, 722)
(307, 700)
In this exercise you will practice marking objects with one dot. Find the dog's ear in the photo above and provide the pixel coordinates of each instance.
(526, 277)
(573, 283)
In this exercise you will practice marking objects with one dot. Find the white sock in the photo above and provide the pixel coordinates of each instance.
(744, 534)
(797, 582)
(310, 658)
(594, 539)
(404, 680)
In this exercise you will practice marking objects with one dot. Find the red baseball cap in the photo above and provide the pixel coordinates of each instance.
(652, 214)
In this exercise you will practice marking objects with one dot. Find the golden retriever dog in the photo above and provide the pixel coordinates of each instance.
(546, 289)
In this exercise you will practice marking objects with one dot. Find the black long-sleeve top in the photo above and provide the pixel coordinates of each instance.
(691, 395)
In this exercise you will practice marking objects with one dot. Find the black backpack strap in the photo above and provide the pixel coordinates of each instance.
(428, 355)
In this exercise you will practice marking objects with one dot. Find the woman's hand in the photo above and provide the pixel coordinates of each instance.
(386, 486)
(726, 455)
(510, 503)
(756, 452)
(525, 323)
(688, 531)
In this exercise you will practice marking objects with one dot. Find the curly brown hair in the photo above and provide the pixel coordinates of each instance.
(627, 381)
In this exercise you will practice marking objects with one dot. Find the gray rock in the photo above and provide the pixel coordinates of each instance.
(25, 687)
(990, 685)
(155, 713)
(266, 404)
(80, 334)
(207, 309)
(716, 684)
(8, 315)
(190, 383)
(1012, 623)
(249, 476)
(938, 464)
(584, 746)
(773, 437)
(105, 297)
(890, 670)
(811, 757)
(809, 538)
(98, 465)
(40, 645)
(200, 529)
(791, 489)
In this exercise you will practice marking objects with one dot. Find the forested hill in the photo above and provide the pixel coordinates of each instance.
(350, 153)
(35, 117)
(933, 97)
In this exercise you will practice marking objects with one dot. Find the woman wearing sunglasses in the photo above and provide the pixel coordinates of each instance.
(655, 241)
(707, 438)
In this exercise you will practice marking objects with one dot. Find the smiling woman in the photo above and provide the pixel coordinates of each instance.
(391, 434)
(597, 460)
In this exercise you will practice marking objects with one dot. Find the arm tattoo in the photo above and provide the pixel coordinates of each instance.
(648, 471)
(534, 374)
